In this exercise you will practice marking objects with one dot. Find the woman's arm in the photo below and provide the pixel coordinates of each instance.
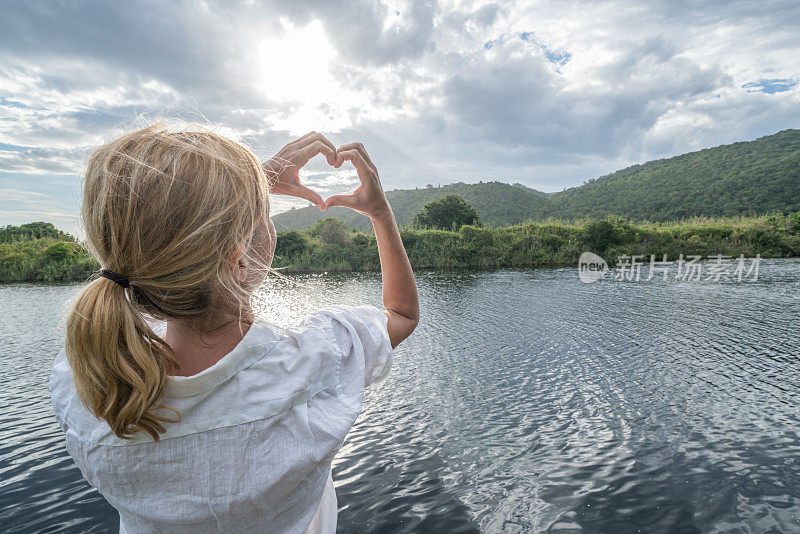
(399, 288)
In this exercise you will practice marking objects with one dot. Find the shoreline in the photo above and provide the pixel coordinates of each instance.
(331, 247)
(548, 267)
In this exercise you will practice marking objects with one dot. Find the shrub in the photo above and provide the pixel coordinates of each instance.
(598, 236)
(794, 222)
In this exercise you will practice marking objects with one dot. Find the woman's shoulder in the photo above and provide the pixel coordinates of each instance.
(330, 317)
(337, 349)
(360, 337)
(70, 413)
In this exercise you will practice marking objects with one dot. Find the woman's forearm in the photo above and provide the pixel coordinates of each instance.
(399, 287)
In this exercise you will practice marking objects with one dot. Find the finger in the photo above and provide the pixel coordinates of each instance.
(310, 195)
(317, 147)
(301, 138)
(315, 137)
(362, 151)
(348, 201)
(358, 161)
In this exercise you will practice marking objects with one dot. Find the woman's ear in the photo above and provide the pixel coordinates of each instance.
(237, 265)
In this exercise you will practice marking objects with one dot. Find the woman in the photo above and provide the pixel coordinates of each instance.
(184, 410)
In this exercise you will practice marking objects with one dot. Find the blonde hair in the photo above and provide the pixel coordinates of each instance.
(166, 209)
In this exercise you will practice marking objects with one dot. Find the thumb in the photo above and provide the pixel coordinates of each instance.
(348, 201)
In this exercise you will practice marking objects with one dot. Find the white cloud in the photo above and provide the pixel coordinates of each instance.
(544, 93)
(19, 206)
(42, 160)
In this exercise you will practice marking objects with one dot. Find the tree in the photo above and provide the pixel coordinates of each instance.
(59, 251)
(449, 212)
(31, 231)
(332, 231)
(291, 243)
(600, 235)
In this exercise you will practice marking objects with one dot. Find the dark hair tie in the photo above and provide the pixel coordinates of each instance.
(118, 278)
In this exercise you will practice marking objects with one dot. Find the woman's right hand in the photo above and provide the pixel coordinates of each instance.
(368, 198)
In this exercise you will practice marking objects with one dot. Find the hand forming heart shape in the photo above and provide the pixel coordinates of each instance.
(284, 167)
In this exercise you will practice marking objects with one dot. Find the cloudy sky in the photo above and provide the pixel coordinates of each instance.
(548, 94)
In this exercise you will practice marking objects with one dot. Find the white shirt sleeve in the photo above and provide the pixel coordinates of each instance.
(361, 335)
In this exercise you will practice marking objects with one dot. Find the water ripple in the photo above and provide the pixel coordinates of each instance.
(526, 401)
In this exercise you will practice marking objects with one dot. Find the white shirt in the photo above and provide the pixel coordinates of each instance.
(258, 431)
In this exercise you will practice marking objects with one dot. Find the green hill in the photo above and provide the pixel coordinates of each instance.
(497, 203)
(745, 178)
(754, 177)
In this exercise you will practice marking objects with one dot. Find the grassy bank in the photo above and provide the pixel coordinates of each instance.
(50, 255)
(45, 260)
(549, 243)
(40, 252)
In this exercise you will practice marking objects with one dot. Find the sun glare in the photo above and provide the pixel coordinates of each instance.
(297, 70)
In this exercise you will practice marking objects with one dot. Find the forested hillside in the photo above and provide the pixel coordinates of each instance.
(761, 176)
(497, 203)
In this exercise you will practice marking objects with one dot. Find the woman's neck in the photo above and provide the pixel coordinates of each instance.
(199, 344)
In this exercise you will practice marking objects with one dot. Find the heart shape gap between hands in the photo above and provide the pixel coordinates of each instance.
(284, 167)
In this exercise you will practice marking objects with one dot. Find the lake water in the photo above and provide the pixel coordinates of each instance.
(525, 401)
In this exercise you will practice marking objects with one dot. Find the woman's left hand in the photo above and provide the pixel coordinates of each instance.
(283, 168)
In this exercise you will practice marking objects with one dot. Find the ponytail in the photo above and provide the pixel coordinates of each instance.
(165, 208)
(119, 364)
